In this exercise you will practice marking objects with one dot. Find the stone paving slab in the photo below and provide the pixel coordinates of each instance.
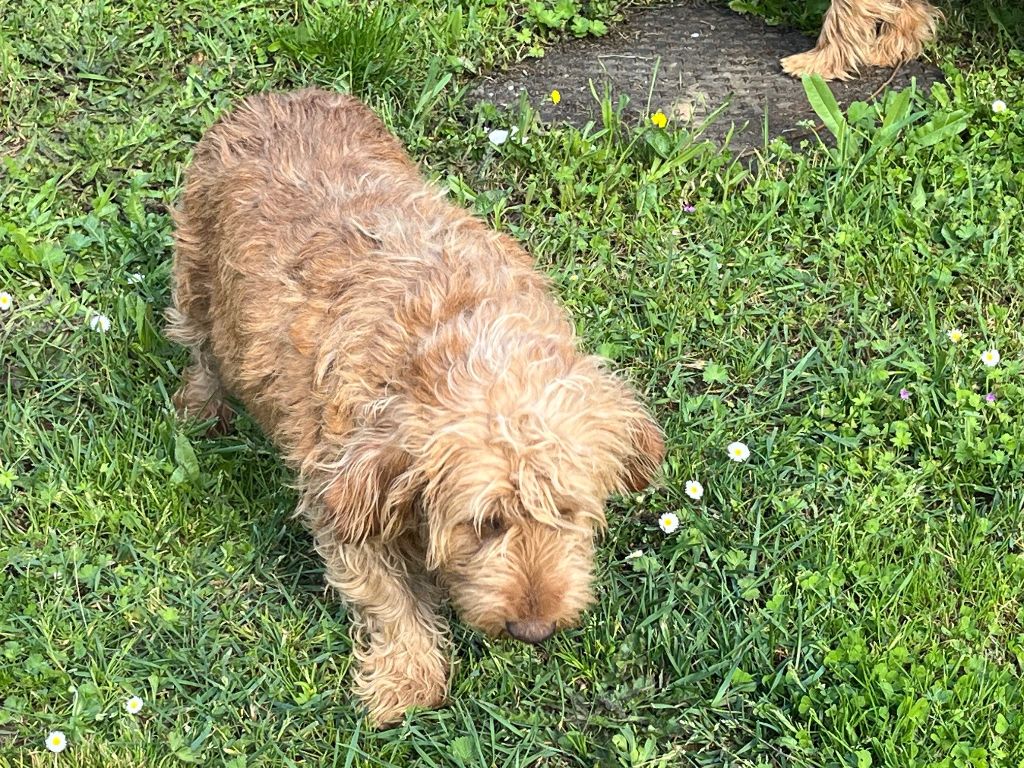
(686, 58)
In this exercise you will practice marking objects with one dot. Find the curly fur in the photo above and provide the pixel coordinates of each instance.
(855, 33)
(414, 369)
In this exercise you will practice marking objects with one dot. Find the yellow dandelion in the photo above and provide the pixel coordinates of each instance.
(659, 119)
(555, 96)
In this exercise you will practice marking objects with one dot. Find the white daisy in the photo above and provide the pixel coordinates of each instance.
(668, 522)
(990, 357)
(6, 301)
(694, 490)
(738, 451)
(55, 741)
(998, 106)
(634, 555)
(955, 335)
(133, 706)
(99, 323)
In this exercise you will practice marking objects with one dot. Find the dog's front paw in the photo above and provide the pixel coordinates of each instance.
(391, 683)
(201, 398)
(821, 61)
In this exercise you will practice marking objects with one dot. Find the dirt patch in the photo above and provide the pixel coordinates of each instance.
(686, 59)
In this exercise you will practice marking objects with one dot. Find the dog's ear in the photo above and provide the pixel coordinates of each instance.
(640, 447)
(370, 492)
(648, 452)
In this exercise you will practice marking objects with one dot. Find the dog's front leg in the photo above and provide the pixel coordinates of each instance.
(848, 32)
(399, 641)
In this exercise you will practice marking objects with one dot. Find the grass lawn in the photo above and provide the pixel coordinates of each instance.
(850, 596)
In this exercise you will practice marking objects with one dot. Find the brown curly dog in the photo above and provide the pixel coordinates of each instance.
(414, 369)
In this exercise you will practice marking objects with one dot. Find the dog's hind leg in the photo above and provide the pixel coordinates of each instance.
(399, 640)
(904, 36)
(848, 34)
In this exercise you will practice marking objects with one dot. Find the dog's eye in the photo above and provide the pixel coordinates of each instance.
(492, 528)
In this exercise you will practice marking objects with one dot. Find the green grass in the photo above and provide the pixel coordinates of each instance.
(851, 596)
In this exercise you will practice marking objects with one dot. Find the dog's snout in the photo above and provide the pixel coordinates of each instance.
(531, 631)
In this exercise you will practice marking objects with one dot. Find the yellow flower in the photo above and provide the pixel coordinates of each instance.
(955, 335)
(555, 96)
(659, 119)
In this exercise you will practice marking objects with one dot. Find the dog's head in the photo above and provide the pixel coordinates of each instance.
(506, 484)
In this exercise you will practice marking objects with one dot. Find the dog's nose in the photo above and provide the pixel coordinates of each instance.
(531, 631)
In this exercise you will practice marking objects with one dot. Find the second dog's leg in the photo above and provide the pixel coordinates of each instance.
(903, 38)
(848, 34)
(399, 640)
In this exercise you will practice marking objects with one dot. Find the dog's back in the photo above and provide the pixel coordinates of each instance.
(303, 227)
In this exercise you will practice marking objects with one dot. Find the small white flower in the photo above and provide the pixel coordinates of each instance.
(738, 451)
(990, 357)
(135, 278)
(55, 741)
(668, 522)
(634, 555)
(955, 335)
(133, 706)
(6, 301)
(499, 136)
(998, 106)
(99, 323)
(694, 490)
